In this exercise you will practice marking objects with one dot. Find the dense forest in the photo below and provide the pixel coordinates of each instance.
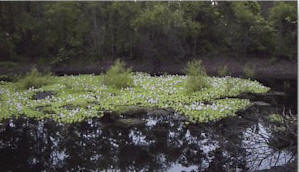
(62, 32)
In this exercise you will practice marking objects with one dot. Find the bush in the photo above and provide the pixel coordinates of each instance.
(283, 17)
(249, 71)
(118, 76)
(34, 79)
(196, 76)
(223, 71)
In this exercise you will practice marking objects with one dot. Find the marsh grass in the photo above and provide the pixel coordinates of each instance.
(196, 76)
(222, 71)
(34, 79)
(81, 97)
(249, 71)
(229, 85)
(118, 76)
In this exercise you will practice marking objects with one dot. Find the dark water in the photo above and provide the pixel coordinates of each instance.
(160, 143)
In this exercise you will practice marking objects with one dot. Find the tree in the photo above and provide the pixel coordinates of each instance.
(284, 19)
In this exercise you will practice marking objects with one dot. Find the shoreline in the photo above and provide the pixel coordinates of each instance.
(263, 68)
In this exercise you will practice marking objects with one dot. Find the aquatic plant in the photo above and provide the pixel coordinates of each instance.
(6, 78)
(222, 71)
(284, 131)
(76, 98)
(249, 71)
(34, 79)
(118, 76)
(275, 118)
(196, 76)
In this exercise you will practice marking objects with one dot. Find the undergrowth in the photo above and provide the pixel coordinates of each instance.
(34, 79)
(118, 76)
(222, 71)
(249, 71)
(196, 76)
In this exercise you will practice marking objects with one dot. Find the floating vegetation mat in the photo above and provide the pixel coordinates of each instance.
(75, 98)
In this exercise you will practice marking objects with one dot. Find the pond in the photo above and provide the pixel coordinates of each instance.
(151, 142)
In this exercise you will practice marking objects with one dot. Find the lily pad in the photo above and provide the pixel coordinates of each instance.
(88, 97)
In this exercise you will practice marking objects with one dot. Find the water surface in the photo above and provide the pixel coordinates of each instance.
(158, 143)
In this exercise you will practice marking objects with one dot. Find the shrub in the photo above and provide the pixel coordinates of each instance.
(34, 79)
(196, 76)
(118, 76)
(275, 118)
(222, 71)
(249, 71)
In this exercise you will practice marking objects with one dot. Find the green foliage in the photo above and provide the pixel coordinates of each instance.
(229, 85)
(246, 12)
(4, 78)
(275, 118)
(284, 127)
(251, 33)
(283, 17)
(67, 31)
(34, 79)
(118, 76)
(61, 57)
(160, 29)
(77, 98)
(222, 71)
(196, 76)
(9, 77)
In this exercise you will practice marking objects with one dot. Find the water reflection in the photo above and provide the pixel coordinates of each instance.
(162, 143)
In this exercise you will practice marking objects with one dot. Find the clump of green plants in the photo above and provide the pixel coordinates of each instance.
(34, 79)
(196, 76)
(84, 96)
(284, 131)
(229, 85)
(4, 78)
(9, 77)
(249, 71)
(222, 71)
(118, 76)
(275, 118)
(8, 64)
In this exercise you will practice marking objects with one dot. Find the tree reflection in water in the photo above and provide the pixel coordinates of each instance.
(163, 143)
